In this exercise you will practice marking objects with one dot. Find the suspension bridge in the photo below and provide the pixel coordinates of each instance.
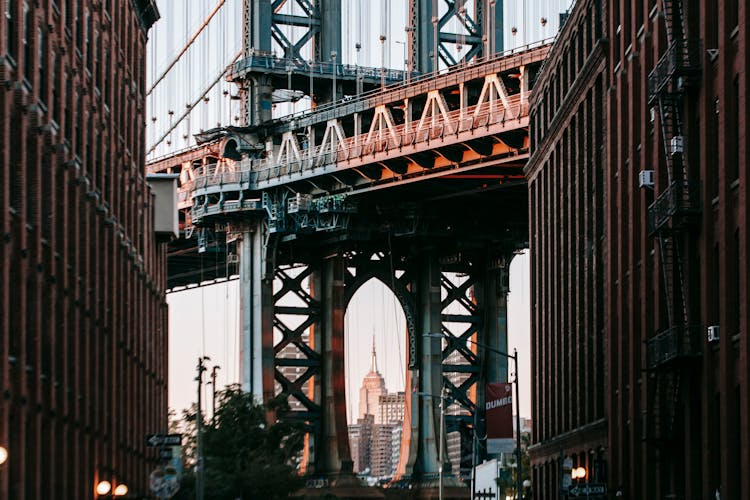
(413, 177)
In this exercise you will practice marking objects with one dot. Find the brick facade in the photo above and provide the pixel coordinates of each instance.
(83, 351)
(627, 279)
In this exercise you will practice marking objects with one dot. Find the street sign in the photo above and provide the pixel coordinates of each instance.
(156, 440)
(165, 453)
(587, 489)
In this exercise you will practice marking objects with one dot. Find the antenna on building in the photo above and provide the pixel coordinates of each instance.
(374, 367)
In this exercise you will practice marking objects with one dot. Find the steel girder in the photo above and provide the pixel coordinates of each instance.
(303, 306)
(479, 36)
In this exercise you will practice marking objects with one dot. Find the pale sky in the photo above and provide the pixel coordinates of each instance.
(205, 320)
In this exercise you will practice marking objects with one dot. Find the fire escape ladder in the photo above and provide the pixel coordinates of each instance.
(670, 398)
(666, 248)
(682, 289)
(671, 131)
(671, 351)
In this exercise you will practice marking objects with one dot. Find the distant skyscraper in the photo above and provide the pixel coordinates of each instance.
(391, 408)
(360, 438)
(376, 437)
(373, 386)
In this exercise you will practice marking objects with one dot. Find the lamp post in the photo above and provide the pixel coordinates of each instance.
(514, 357)
(382, 62)
(406, 61)
(213, 392)
(200, 486)
(333, 67)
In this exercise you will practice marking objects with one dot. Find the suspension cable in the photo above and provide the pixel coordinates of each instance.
(195, 103)
(187, 46)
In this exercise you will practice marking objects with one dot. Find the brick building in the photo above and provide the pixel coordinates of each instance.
(83, 350)
(638, 208)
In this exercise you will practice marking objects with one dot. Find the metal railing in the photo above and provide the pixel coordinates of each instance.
(476, 65)
(681, 60)
(269, 62)
(261, 170)
(680, 200)
(675, 343)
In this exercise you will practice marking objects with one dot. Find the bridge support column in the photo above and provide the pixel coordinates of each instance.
(336, 461)
(420, 462)
(256, 299)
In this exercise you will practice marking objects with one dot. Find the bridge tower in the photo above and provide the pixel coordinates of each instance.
(418, 186)
(479, 35)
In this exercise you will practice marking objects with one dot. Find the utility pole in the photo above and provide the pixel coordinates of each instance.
(200, 487)
(213, 391)
(518, 426)
(441, 458)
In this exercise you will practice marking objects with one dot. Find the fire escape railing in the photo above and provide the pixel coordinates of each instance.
(680, 64)
(673, 344)
(677, 204)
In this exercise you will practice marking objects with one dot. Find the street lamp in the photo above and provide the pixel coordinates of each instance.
(578, 473)
(406, 61)
(514, 357)
(199, 475)
(333, 61)
(382, 62)
(103, 488)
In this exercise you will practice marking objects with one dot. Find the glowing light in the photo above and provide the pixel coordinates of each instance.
(121, 490)
(578, 473)
(103, 487)
(3, 455)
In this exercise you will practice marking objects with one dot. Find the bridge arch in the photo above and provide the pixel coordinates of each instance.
(383, 374)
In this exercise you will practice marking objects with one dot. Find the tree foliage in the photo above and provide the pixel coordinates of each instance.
(244, 456)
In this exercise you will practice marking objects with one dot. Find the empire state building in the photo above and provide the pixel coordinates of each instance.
(373, 386)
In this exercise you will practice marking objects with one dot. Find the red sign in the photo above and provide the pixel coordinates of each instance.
(499, 417)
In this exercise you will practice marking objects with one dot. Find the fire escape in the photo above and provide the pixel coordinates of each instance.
(669, 353)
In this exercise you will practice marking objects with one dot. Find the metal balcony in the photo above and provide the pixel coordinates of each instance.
(674, 344)
(680, 64)
(677, 204)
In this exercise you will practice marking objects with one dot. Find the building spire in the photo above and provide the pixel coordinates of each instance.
(374, 367)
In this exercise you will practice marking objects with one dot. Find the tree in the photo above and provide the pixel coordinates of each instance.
(245, 457)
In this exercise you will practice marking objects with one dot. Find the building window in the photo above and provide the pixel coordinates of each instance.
(734, 168)
(77, 22)
(734, 303)
(27, 54)
(713, 151)
(10, 25)
(733, 14)
(87, 38)
(55, 94)
(40, 50)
